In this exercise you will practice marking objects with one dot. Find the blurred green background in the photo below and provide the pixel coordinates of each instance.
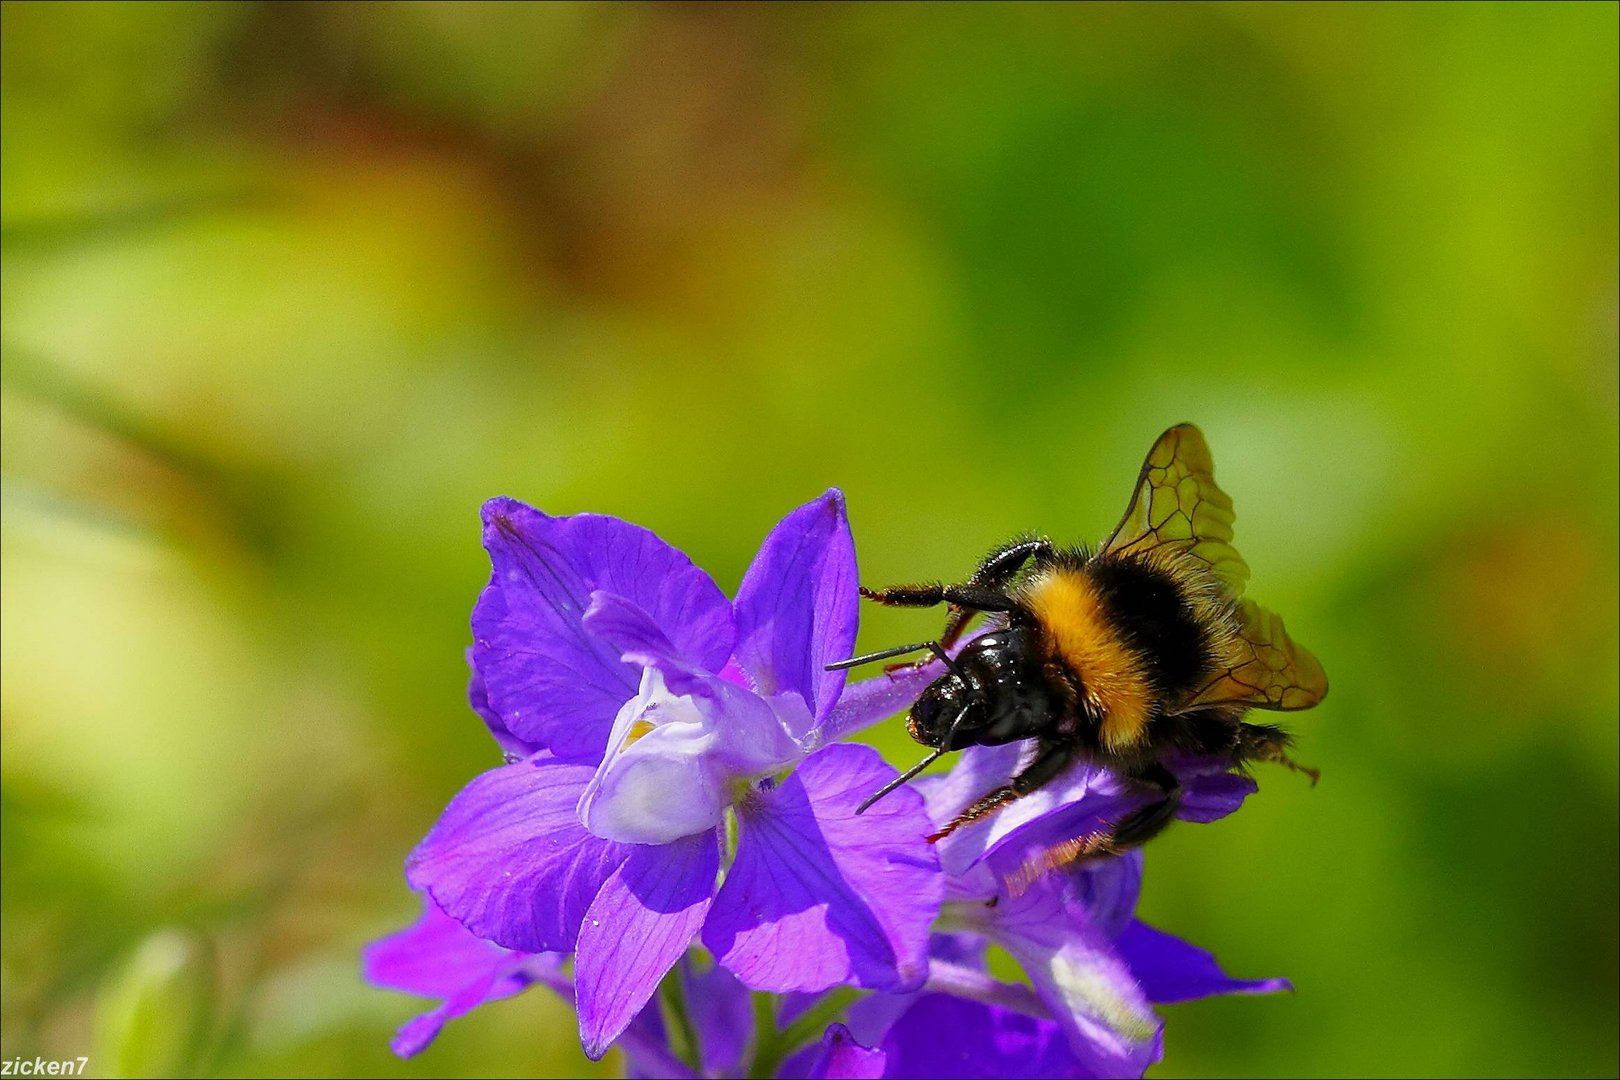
(290, 289)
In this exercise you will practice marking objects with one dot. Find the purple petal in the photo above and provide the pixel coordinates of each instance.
(1170, 970)
(873, 700)
(1087, 986)
(842, 1058)
(819, 897)
(1081, 800)
(1209, 788)
(721, 1009)
(798, 605)
(1106, 890)
(946, 1037)
(551, 682)
(628, 629)
(637, 927)
(433, 957)
(513, 747)
(438, 958)
(509, 859)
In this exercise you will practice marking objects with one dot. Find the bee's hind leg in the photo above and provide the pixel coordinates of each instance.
(1140, 826)
(1049, 760)
(1262, 742)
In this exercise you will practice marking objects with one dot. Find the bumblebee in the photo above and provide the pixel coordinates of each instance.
(1114, 657)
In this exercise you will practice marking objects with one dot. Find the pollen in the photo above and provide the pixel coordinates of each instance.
(637, 730)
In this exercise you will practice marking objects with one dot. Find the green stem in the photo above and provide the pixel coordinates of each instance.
(768, 1052)
(683, 1040)
(772, 1046)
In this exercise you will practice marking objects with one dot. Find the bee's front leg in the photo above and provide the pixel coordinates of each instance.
(1050, 760)
(968, 600)
(995, 571)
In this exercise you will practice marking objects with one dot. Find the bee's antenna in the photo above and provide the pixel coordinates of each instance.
(917, 768)
(898, 650)
(899, 780)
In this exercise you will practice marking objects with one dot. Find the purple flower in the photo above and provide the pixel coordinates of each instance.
(644, 711)
(1095, 970)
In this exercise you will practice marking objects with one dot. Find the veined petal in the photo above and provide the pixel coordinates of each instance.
(437, 957)
(1170, 970)
(817, 896)
(798, 605)
(552, 682)
(509, 859)
(636, 929)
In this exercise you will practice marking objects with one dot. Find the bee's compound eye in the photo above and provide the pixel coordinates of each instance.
(932, 713)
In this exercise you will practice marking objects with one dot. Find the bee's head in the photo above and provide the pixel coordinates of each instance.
(997, 697)
(945, 710)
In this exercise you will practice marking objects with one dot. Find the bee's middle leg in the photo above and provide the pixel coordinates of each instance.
(1133, 830)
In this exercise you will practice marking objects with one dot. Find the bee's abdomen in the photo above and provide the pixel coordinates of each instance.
(1165, 617)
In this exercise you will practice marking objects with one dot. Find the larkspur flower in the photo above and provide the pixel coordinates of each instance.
(641, 709)
(643, 718)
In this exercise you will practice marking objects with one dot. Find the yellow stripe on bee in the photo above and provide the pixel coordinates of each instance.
(1076, 624)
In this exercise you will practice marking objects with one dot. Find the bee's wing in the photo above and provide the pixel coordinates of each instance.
(1271, 671)
(1177, 506)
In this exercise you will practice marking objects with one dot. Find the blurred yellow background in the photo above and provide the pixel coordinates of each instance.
(290, 289)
